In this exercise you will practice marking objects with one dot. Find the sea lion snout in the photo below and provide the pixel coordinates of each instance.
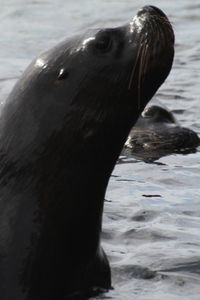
(152, 19)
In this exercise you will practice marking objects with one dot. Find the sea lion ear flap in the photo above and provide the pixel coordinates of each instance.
(63, 74)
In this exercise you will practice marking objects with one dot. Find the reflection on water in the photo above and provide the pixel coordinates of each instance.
(152, 216)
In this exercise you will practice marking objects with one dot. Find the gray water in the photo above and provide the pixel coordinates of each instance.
(151, 229)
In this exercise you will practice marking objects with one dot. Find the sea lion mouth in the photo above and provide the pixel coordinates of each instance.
(152, 31)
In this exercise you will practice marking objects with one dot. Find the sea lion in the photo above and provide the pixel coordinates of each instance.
(57, 154)
(157, 133)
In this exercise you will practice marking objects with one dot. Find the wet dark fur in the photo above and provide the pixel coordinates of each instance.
(57, 154)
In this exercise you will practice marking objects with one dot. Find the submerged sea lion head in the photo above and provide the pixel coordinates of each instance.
(157, 133)
(154, 114)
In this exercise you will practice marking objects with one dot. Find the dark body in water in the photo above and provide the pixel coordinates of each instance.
(157, 133)
(57, 154)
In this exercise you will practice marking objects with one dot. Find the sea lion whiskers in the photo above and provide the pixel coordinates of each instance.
(166, 35)
(144, 59)
(134, 67)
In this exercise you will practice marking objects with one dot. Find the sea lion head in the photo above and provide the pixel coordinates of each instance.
(106, 76)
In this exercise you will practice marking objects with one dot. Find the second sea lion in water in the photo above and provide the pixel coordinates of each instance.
(56, 154)
(157, 133)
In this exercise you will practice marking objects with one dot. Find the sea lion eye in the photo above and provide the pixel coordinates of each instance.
(103, 43)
